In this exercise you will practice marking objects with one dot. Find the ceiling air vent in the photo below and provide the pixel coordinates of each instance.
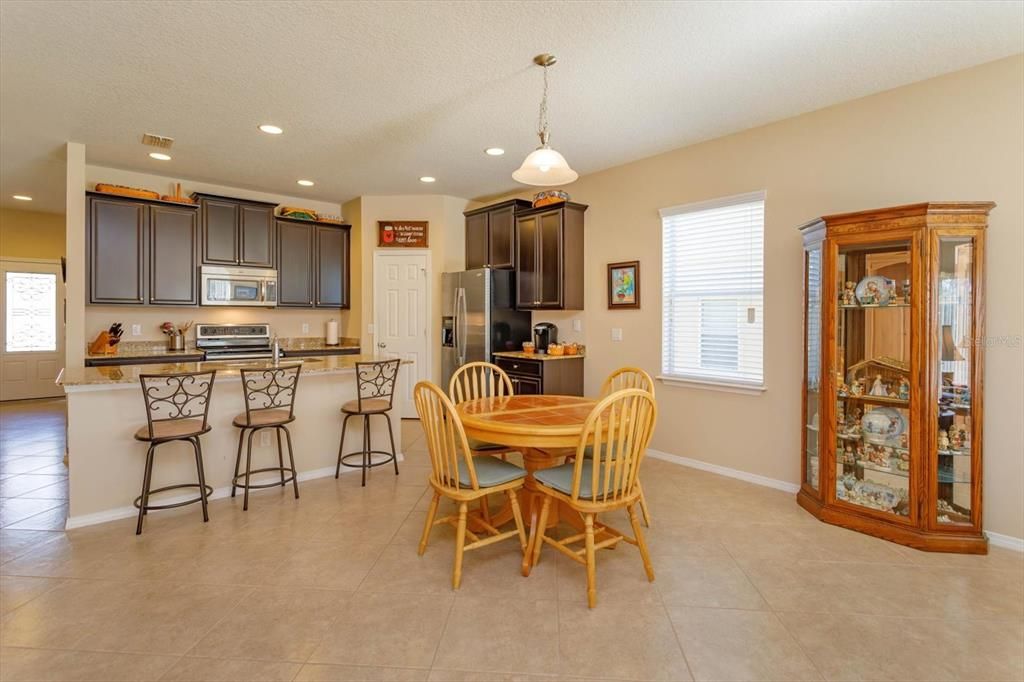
(157, 141)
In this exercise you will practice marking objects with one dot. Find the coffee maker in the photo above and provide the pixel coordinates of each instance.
(544, 334)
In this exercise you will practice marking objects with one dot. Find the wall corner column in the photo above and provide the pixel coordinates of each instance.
(74, 235)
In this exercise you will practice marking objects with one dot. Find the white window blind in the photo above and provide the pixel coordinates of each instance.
(713, 291)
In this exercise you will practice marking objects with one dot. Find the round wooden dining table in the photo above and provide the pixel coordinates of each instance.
(540, 427)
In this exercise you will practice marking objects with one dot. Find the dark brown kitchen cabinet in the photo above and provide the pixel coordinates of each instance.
(172, 251)
(549, 257)
(236, 231)
(563, 376)
(295, 263)
(141, 251)
(491, 235)
(313, 264)
(333, 251)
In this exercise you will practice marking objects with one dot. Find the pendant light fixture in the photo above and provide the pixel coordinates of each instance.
(544, 167)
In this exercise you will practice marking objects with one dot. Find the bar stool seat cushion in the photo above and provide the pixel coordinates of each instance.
(370, 406)
(490, 471)
(560, 477)
(171, 428)
(270, 417)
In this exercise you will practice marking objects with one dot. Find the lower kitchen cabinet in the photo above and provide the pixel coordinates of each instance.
(562, 376)
(313, 264)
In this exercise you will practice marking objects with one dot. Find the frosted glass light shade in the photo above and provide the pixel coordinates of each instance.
(545, 167)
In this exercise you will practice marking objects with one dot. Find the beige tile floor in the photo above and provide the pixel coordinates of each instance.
(329, 587)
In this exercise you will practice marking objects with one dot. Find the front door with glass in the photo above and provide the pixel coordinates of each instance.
(31, 328)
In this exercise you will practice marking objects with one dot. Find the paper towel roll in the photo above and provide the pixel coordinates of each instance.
(332, 332)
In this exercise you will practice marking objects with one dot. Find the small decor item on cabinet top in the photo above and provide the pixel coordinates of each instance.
(178, 197)
(549, 197)
(571, 349)
(410, 234)
(333, 219)
(849, 295)
(528, 347)
(124, 191)
(297, 213)
(175, 334)
(556, 349)
(624, 285)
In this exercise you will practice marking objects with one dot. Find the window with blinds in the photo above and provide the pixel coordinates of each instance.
(713, 291)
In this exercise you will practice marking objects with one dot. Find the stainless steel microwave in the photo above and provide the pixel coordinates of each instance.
(238, 286)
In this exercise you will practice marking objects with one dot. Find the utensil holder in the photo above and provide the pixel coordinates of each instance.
(175, 342)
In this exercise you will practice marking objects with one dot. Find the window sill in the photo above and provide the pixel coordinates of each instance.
(711, 385)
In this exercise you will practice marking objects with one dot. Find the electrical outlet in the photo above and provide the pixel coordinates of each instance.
(136, 330)
(265, 438)
(616, 333)
(305, 327)
(577, 324)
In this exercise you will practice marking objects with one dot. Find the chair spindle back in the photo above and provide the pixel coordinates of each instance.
(270, 389)
(627, 377)
(478, 380)
(175, 397)
(446, 439)
(619, 428)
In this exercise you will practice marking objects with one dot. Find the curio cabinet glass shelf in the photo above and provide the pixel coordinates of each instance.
(892, 401)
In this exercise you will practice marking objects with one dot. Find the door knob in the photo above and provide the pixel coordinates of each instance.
(381, 344)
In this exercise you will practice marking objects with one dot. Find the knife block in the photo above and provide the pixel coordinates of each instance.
(101, 345)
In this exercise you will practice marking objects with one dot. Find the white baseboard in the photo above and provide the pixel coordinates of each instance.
(218, 493)
(784, 486)
(995, 539)
(1005, 541)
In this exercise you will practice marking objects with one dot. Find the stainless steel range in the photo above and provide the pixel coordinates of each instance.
(234, 341)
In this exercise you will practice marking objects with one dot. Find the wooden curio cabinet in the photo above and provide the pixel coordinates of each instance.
(892, 400)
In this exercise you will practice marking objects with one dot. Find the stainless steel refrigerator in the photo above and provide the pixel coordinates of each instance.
(478, 317)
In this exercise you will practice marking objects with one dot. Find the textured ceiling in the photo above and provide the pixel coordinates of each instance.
(374, 95)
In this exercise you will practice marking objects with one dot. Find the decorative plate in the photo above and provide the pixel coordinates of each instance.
(880, 425)
(867, 286)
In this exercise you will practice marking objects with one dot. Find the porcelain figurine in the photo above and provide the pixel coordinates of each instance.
(890, 287)
(878, 388)
(849, 296)
(903, 440)
(904, 389)
(943, 440)
(906, 291)
(857, 388)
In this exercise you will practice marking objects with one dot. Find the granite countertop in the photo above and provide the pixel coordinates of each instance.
(520, 355)
(298, 346)
(308, 343)
(144, 349)
(129, 374)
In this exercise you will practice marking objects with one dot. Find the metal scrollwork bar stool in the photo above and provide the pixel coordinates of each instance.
(376, 385)
(269, 404)
(177, 407)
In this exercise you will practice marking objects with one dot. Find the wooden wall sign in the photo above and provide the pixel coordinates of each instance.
(410, 234)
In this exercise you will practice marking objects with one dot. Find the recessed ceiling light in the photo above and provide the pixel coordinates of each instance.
(494, 151)
(427, 178)
(159, 156)
(306, 183)
(271, 129)
(22, 197)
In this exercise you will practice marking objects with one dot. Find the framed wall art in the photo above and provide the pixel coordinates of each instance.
(624, 285)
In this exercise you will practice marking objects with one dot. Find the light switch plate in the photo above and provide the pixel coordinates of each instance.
(616, 333)
(305, 327)
(577, 325)
(136, 330)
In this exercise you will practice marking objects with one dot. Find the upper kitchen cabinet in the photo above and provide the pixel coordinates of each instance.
(312, 264)
(549, 257)
(236, 231)
(141, 251)
(491, 235)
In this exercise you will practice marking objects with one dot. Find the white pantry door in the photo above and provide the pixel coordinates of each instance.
(31, 329)
(401, 318)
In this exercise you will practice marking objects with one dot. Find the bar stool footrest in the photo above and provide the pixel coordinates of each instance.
(256, 486)
(388, 458)
(152, 507)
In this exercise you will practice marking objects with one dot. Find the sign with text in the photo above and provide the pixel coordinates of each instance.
(410, 234)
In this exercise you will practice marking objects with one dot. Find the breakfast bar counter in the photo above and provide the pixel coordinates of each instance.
(105, 407)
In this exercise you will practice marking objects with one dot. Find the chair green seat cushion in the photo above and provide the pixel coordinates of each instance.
(560, 477)
(475, 444)
(490, 471)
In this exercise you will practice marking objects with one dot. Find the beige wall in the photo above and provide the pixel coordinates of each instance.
(447, 247)
(956, 137)
(31, 234)
(284, 322)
